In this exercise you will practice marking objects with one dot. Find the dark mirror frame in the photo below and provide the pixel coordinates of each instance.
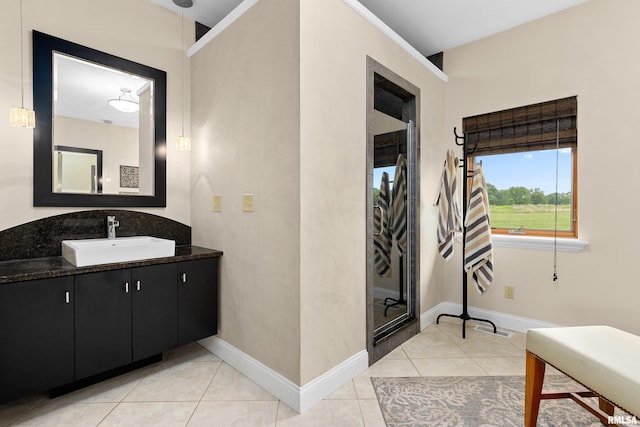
(44, 47)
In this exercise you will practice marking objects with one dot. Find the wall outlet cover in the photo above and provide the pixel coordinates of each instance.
(510, 292)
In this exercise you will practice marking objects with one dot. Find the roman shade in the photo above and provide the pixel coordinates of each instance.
(529, 128)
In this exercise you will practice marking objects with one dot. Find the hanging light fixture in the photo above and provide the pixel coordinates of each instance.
(125, 102)
(22, 117)
(183, 143)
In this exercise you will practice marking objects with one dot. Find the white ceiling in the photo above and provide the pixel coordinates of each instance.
(81, 89)
(430, 26)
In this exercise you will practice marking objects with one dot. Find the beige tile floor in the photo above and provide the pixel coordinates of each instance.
(192, 387)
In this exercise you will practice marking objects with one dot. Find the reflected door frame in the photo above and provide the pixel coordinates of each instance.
(87, 151)
(407, 110)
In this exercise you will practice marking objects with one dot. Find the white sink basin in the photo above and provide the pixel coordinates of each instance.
(82, 253)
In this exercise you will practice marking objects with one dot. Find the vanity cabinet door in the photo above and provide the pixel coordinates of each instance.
(36, 336)
(102, 321)
(154, 310)
(197, 299)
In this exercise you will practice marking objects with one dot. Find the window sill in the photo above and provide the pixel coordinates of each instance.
(538, 243)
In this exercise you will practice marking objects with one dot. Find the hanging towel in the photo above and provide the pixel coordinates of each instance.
(449, 217)
(382, 237)
(399, 217)
(478, 262)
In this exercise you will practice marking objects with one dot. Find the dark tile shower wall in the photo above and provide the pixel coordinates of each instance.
(41, 238)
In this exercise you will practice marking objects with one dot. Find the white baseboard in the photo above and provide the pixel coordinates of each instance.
(501, 320)
(302, 398)
(297, 398)
(319, 388)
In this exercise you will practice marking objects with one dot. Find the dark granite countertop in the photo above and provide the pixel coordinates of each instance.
(43, 268)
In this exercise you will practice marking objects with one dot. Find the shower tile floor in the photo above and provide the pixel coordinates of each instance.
(193, 387)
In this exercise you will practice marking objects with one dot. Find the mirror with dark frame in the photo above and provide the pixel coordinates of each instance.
(88, 101)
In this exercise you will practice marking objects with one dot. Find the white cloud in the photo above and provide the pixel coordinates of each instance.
(528, 156)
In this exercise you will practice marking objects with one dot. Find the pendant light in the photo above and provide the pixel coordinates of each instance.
(183, 143)
(22, 117)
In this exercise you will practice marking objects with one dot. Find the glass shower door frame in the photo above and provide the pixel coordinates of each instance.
(387, 328)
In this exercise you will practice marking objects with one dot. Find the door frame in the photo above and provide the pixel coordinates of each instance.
(410, 110)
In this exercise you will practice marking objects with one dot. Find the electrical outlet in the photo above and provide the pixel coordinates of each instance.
(247, 202)
(217, 203)
(510, 292)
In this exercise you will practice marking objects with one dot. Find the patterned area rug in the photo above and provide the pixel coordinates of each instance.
(475, 401)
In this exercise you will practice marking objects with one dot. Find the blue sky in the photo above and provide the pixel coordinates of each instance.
(533, 169)
(377, 176)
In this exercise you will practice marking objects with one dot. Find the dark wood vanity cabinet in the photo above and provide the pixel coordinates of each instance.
(154, 310)
(103, 322)
(197, 300)
(36, 336)
(124, 316)
(54, 332)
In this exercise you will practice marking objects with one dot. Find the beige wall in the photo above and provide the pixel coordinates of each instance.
(246, 138)
(145, 33)
(589, 51)
(279, 102)
(334, 44)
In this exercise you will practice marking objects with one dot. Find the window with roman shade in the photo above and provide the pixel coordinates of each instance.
(546, 133)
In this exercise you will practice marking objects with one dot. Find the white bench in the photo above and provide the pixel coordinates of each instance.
(603, 359)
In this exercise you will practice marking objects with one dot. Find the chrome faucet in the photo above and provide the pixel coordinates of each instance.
(111, 226)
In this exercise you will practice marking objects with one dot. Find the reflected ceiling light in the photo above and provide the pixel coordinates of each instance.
(22, 117)
(183, 143)
(125, 102)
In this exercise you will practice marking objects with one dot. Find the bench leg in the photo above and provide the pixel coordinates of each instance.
(533, 389)
(605, 407)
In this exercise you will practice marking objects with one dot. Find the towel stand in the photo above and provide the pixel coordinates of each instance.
(392, 302)
(465, 313)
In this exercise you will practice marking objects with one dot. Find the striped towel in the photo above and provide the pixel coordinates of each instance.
(478, 260)
(399, 218)
(449, 217)
(382, 236)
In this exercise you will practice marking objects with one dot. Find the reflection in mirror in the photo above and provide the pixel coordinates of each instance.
(77, 170)
(92, 101)
(390, 282)
(100, 108)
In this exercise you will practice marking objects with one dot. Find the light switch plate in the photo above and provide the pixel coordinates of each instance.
(247, 202)
(217, 203)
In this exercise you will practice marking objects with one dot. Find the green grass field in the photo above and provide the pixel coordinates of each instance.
(532, 217)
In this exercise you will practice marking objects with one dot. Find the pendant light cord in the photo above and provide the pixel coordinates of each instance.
(555, 227)
(181, 63)
(21, 58)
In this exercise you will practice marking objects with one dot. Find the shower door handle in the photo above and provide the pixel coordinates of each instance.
(379, 233)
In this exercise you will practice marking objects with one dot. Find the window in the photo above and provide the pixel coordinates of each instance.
(529, 159)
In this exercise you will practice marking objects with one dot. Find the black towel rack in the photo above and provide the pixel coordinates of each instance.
(466, 151)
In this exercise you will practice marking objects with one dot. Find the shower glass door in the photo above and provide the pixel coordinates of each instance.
(393, 154)
(393, 197)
